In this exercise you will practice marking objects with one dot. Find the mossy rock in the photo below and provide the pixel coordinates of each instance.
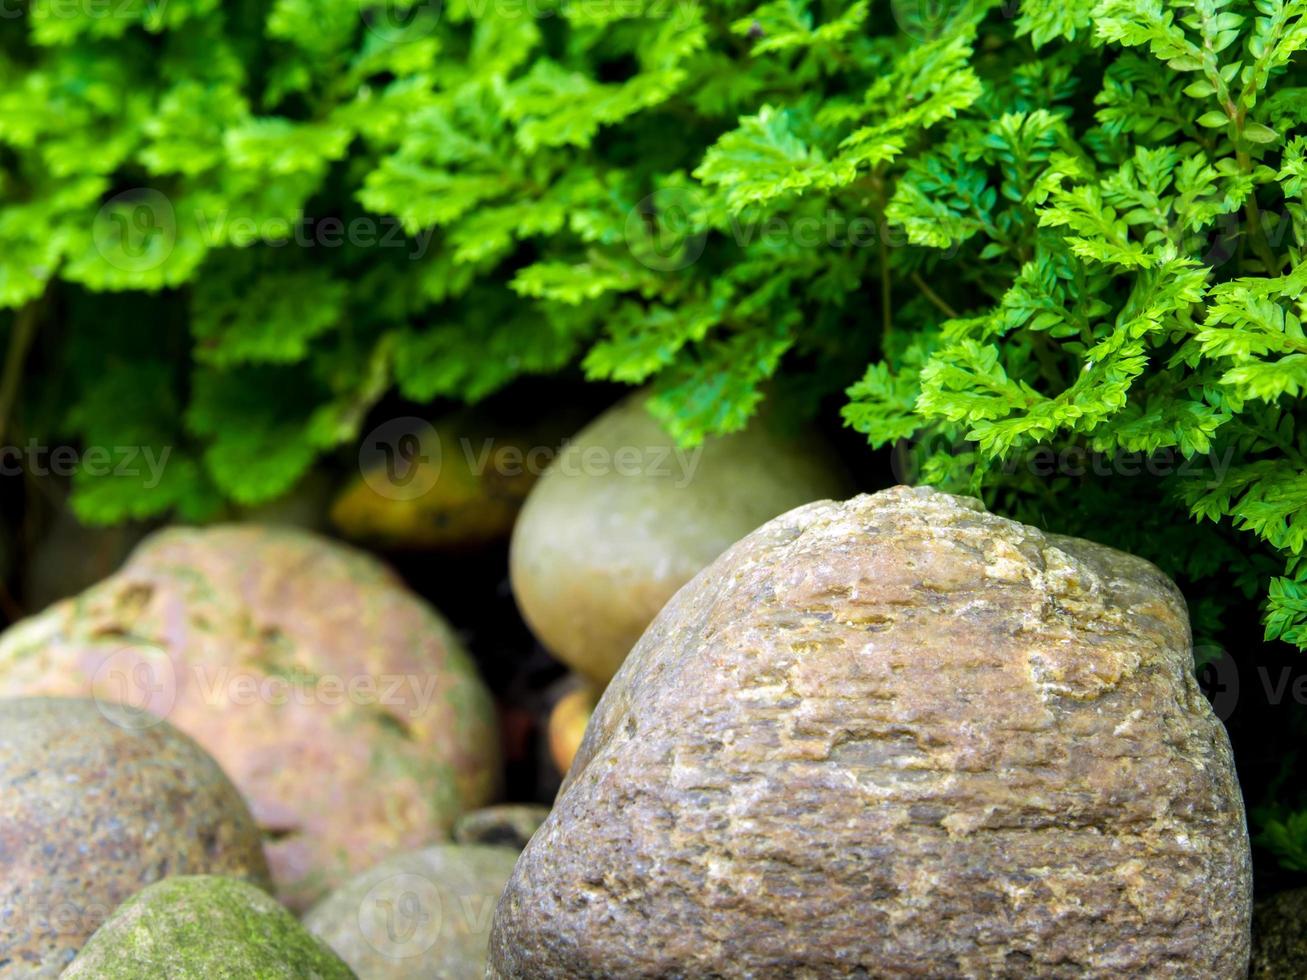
(203, 928)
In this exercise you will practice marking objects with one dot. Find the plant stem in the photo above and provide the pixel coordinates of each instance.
(939, 302)
(21, 333)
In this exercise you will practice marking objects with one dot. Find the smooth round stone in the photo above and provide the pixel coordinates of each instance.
(95, 804)
(505, 825)
(343, 706)
(567, 724)
(623, 518)
(425, 914)
(205, 928)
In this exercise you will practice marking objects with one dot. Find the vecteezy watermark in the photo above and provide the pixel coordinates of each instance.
(138, 230)
(131, 10)
(914, 461)
(403, 459)
(138, 685)
(63, 461)
(135, 231)
(363, 231)
(668, 230)
(402, 916)
(401, 21)
(1218, 677)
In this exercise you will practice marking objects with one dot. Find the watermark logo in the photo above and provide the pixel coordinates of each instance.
(923, 19)
(135, 687)
(662, 230)
(1218, 677)
(135, 231)
(934, 456)
(401, 459)
(401, 21)
(400, 917)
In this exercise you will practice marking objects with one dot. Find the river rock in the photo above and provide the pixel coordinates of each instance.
(94, 805)
(202, 928)
(505, 825)
(623, 518)
(460, 485)
(342, 706)
(425, 914)
(567, 724)
(1280, 937)
(896, 736)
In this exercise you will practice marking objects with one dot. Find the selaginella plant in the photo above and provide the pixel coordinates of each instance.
(1067, 235)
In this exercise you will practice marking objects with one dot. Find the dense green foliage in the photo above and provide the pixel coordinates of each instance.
(1066, 235)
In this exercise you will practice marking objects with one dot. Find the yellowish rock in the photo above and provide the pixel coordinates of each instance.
(623, 518)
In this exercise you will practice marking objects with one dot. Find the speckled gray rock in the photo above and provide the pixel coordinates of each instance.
(93, 807)
(204, 928)
(505, 825)
(896, 736)
(343, 707)
(425, 914)
(623, 518)
(1280, 937)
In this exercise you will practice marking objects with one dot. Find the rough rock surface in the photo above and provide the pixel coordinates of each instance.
(342, 706)
(204, 928)
(425, 914)
(896, 736)
(1280, 937)
(93, 807)
(623, 518)
(505, 825)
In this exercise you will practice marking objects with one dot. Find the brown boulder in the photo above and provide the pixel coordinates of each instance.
(342, 706)
(95, 805)
(896, 736)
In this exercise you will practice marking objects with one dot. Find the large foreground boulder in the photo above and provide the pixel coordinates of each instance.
(623, 518)
(94, 806)
(341, 705)
(896, 736)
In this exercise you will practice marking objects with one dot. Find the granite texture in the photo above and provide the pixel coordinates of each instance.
(896, 736)
(94, 806)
